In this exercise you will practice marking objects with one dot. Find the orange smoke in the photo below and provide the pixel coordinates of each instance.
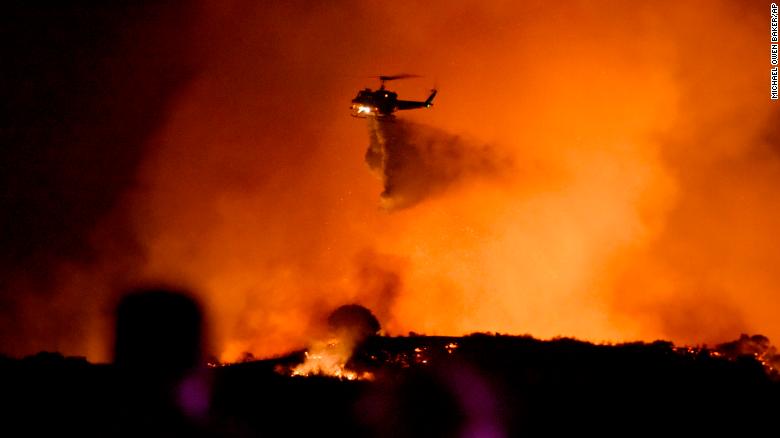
(641, 203)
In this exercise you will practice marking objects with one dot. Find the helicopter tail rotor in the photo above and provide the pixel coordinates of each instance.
(429, 100)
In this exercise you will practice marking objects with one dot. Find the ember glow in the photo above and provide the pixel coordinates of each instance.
(630, 192)
(329, 359)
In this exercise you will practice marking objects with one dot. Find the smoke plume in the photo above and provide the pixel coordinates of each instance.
(415, 161)
(629, 190)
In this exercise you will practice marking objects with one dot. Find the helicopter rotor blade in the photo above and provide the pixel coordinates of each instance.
(398, 76)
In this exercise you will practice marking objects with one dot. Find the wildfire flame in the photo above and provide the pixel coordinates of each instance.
(756, 346)
(329, 358)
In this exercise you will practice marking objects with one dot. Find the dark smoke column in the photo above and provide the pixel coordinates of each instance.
(85, 84)
(416, 162)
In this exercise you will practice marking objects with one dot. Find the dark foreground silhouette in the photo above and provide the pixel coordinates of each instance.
(480, 386)
(476, 386)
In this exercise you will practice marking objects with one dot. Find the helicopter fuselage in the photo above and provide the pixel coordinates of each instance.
(383, 103)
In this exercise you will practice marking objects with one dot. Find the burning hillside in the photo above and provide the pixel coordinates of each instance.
(353, 350)
(421, 386)
(391, 355)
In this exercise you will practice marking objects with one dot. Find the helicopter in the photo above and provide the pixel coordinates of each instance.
(382, 103)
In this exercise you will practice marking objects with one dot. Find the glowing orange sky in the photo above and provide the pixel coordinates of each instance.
(641, 203)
